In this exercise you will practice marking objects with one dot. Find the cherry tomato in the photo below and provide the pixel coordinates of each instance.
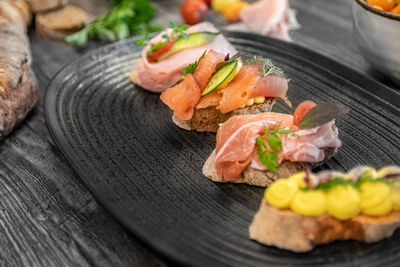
(208, 2)
(385, 4)
(302, 109)
(219, 5)
(193, 11)
(153, 57)
(396, 10)
(232, 12)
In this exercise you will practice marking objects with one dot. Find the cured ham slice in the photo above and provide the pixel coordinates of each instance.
(156, 77)
(270, 17)
(236, 142)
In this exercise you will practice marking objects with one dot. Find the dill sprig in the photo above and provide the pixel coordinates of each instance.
(267, 68)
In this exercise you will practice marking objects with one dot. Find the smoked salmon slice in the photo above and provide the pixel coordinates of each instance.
(249, 83)
(207, 67)
(211, 100)
(183, 97)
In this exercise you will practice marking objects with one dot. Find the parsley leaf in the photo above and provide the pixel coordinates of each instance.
(126, 17)
(191, 68)
(269, 144)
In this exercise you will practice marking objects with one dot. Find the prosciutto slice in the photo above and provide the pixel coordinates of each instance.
(157, 77)
(270, 17)
(236, 142)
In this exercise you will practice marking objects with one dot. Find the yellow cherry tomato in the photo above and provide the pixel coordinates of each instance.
(344, 202)
(376, 198)
(388, 170)
(396, 195)
(280, 193)
(367, 171)
(232, 12)
(396, 10)
(310, 203)
(219, 5)
(385, 4)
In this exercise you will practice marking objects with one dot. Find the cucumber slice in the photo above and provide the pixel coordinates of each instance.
(220, 77)
(194, 40)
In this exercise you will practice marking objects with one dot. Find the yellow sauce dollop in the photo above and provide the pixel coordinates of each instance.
(396, 195)
(311, 203)
(343, 202)
(298, 178)
(376, 198)
(280, 193)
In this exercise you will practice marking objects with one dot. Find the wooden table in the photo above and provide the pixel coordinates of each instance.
(48, 217)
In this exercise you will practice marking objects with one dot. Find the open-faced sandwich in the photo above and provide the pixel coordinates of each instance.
(217, 87)
(258, 149)
(306, 210)
(164, 56)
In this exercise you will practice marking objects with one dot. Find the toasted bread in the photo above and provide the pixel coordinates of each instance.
(291, 231)
(57, 24)
(208, 119)
(45, 5)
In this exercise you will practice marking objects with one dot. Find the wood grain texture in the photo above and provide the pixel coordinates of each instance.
(47, 215)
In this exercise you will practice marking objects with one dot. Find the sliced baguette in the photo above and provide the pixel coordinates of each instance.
(209, 119)
(291, 231)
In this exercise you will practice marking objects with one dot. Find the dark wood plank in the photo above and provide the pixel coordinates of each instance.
(47, 215)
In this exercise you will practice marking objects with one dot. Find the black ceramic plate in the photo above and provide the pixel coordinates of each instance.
(147, 172)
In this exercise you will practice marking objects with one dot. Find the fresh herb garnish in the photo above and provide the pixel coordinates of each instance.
(126, 17)
(269, 144)
(322, 113)
(336, 181)
(267, 68)
(229, 60)
(191, 68)
(177, 32)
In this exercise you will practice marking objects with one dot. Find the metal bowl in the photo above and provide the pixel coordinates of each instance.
(378, 35)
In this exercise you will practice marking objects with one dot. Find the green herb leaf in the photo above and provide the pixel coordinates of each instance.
(269, 144)
(275, 143)
(267, 68)
(126, 17)
(191, 68)
(322, 113)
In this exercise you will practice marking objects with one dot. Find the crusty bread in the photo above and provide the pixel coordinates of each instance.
(57, 24)
(45, 5)
(209, 119)
(288, 230)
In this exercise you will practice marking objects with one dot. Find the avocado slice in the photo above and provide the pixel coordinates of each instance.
(194, 40)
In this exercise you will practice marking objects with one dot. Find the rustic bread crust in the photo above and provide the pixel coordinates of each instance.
(209, 119)
(45, 5)
(57, 24)
(263, 178)
(18, 94)
(291, 231)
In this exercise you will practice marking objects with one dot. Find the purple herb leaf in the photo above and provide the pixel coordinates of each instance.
(322, 113)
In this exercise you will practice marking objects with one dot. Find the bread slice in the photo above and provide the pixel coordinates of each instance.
(299, 233)
(57, 24)
(45, 5)
(209, 119)
(263, 178)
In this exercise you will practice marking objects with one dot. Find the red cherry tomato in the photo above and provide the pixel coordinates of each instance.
(302, 109)
(153, 57)
(194, 11)
(208, 2)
